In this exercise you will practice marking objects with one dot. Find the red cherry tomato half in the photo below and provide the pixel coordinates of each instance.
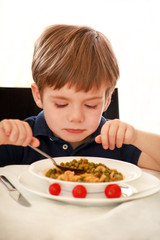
(54, 189)
(113, 191)
(79, 191)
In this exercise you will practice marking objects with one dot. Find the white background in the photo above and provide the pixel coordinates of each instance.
(132, 26)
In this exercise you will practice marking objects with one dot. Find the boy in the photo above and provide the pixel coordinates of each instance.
(75, 72)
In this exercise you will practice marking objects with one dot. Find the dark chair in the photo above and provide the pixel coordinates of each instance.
(113, 110)
(19, 103)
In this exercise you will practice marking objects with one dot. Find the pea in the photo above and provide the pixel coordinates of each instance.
(74, 161)
(106, 172)
(48, 173)
(106, 179)
(85, 160)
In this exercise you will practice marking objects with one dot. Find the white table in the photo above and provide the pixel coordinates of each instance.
(51, 220)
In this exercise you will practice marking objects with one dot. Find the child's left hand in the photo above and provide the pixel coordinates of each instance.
(115, 133)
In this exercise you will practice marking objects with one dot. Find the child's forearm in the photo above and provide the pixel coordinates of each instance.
(148, 143)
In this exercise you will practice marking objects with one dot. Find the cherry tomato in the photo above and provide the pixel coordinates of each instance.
(54, 189)
(79, 191)
(112, 191)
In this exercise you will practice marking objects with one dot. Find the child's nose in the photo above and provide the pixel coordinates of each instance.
(76, 115)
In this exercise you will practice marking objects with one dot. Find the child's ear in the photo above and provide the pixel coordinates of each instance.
(108, 100)
(36, 95)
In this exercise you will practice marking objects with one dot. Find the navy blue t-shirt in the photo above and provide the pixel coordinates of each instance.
(57, 147)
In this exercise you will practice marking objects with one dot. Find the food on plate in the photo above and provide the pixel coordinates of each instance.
(94, 172)
(79, 191)
(54, 189)
(113, 191)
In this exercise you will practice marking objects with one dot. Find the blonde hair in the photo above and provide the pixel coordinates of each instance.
(76, 55)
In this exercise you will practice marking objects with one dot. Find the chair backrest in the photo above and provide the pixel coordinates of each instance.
(19, 103)
(113, 110)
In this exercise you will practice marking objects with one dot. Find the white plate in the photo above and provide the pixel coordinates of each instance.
(144, 186)
(130, 172)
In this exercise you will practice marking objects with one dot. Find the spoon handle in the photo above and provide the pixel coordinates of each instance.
(54, 162)
(43, 153)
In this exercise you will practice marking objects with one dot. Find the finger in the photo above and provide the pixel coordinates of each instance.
(6, 126)
(14, 134)
(129, 135)
(20, 134)
(104, 135)
(26, 139)
(98, 139)
(3, 137)
(120, 136)
(35, 142)
(112, 136)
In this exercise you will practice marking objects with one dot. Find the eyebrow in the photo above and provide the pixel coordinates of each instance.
(65, 98)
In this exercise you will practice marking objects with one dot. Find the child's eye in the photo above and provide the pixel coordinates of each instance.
(60, 105)
(91, 106)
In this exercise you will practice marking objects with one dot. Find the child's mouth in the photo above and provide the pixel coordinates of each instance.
(75, 130)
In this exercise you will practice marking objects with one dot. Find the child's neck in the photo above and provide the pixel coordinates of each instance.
(74, 145)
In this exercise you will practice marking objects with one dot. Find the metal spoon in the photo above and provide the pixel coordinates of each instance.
(63, 168)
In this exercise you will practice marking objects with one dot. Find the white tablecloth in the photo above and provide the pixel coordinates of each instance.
(47, 219)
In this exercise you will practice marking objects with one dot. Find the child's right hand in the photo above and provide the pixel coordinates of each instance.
(16, 132)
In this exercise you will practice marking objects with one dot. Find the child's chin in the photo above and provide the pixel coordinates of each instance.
(74, 140)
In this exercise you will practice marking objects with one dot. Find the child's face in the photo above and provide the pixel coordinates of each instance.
(73, 116)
